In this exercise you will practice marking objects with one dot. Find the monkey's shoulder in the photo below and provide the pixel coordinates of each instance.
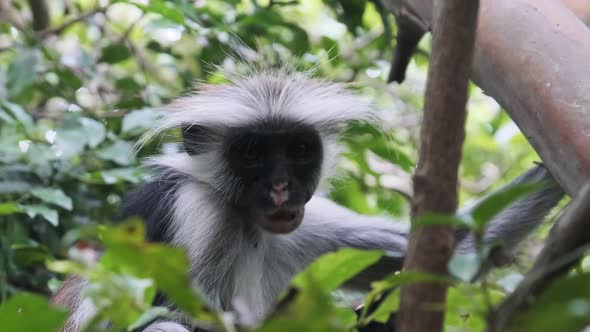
(153, 202)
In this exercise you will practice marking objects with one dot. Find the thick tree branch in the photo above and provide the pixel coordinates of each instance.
(531, 56)
(436, 177)
(562, 250)
(40, 14)
(581, 8)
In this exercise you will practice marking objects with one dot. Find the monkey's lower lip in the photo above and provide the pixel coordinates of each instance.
(282, 220)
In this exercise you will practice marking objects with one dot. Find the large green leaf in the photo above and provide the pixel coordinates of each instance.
(331, 270)
(29, 312)
(128, 253)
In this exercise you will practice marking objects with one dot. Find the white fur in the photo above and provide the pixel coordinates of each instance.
(262, 95)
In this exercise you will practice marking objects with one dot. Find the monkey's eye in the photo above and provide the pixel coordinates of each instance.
(300, 150)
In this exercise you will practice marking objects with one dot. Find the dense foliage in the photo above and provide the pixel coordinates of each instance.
(75, 97)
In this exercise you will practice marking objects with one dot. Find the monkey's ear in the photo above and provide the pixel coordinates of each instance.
(197, 138)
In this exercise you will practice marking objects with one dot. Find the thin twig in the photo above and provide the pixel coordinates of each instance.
(59, 29)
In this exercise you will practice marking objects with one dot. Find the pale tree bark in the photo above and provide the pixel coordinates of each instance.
(436, 177)
(532, 57)
(581, 8)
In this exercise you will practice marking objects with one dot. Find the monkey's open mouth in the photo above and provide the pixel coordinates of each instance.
(281, 220)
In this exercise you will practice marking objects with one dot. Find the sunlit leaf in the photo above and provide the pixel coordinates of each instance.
(386, 307)
(9, 208)
(161, 8)
(128, 253)
(331, 270)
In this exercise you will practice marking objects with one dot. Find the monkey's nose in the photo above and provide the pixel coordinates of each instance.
(279, 193)
(278, 187)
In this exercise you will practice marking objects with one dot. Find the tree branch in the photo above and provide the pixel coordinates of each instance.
(436, 177)
(530, 56)
(40, 14)
(563, 249)
(59, 29)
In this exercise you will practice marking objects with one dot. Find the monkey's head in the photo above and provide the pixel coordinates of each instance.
(264, 142)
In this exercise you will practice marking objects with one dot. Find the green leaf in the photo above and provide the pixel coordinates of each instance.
(71, 141)
(9, 208)
(128, 253)
(120, 152)
(128, 84)
(69, 78)
(19, 114)
(137, 122)
(29, 312)
(564, 306)
(114, 53)
(53, 196)
(331, 270)
(21, 72)
(467, 306)
(95, 131)
(490, 206)
(385, 308)
(160, 7)
(41, 210)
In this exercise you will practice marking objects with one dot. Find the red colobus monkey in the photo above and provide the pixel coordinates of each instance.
(241, 196)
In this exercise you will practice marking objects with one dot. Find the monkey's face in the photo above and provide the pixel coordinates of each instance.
(277, 172)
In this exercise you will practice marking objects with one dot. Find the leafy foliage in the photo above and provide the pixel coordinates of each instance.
(74, 100)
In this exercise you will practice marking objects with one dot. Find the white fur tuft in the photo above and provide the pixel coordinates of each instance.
(263, 95)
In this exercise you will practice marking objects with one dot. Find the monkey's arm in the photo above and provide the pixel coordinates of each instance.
(333, 227)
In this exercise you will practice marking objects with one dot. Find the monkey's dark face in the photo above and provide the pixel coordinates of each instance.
(278, 172)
